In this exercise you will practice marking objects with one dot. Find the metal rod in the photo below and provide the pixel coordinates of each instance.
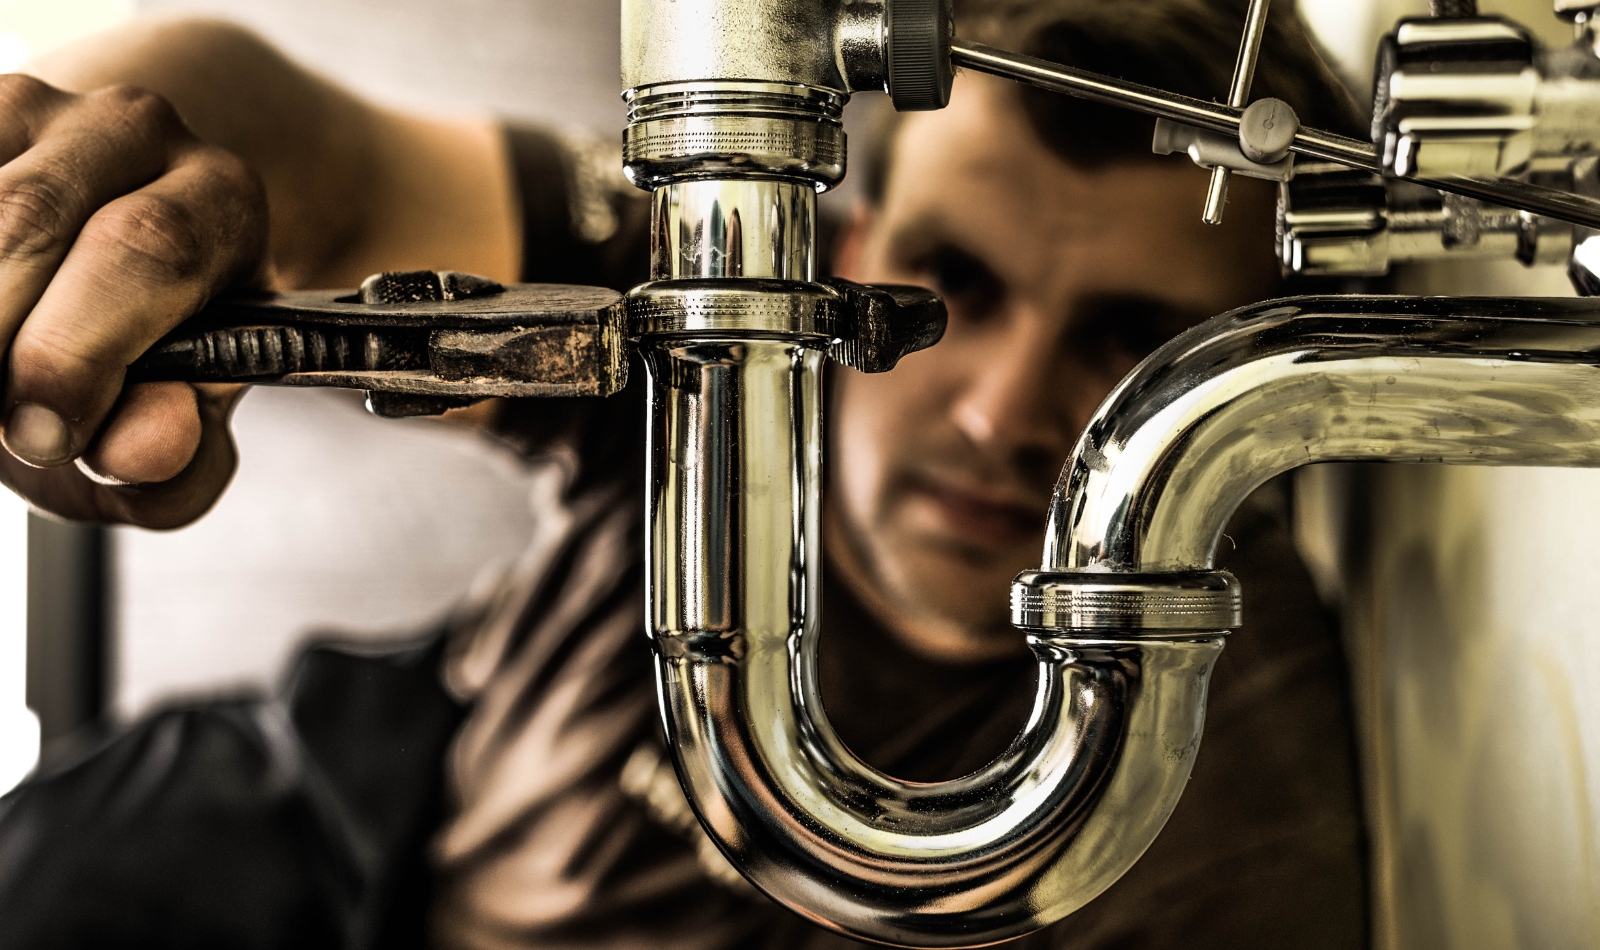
(1244, 74)
(1313, 143)
(1216, 196)
(1244, 71)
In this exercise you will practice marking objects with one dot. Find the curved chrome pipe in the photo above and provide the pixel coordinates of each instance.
(734, 570)
(1252, 394)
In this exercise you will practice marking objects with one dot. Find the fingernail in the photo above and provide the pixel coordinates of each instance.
(37, 436)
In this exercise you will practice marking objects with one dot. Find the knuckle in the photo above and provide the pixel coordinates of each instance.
(228, 197)
(21, 94)
(50, 360)
(139, 107)
(153, 235)
(238, 186)
(226, 174)
(229, 169)
(38, 213)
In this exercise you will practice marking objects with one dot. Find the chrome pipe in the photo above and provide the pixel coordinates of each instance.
(715, 228)
(734, 569)
(731, 121)
(1125, 622)
(1244, 74)
(1252, 394)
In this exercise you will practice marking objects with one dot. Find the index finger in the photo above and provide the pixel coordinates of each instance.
(141, 265)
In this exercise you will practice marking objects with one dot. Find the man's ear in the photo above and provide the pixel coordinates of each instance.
(848, 260)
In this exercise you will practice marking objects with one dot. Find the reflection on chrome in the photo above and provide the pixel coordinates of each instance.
(735, 567)
(1252, 394)
(1126, 619)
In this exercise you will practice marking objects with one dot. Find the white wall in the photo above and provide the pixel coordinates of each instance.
(28, 28)
(339, 520)
(1474, 616)
(19, 728)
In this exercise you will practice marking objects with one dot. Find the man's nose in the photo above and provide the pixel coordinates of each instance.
(1012, 402)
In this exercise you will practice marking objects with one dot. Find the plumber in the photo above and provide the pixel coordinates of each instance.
(502, 781)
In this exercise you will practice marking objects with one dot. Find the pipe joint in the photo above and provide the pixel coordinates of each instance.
(1123, 606)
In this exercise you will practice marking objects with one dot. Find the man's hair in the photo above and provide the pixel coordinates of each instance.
(1182, 46)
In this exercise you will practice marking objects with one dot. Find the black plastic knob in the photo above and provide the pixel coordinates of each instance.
(920, 74)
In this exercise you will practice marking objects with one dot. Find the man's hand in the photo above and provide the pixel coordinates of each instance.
(119, 219)
(116, 223)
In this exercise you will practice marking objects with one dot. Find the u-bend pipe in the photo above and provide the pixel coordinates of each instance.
(735, 559)
(735, 563)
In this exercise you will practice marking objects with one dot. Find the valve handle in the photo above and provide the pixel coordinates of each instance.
(918, 48)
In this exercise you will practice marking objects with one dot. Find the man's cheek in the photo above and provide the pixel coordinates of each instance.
(873, 446)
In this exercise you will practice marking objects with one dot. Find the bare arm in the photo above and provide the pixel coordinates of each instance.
(162, 163)
(352, 189)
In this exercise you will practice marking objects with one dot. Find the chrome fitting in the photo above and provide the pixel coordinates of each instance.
(681, 131)
(1473, 96)
(1125, 606)
(862, 44)
(709, 307)
(716, 228)
(1209, 149)
(754, 88)
(1455, 96)
(1336, 221)
(869, 328)
(817, 43)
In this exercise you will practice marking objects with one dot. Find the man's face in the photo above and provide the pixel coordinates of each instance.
(1058, 280)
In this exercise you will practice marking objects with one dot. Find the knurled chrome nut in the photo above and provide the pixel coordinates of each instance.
(659, 151)
(1125, 606)
(741, 305)
(678, 131)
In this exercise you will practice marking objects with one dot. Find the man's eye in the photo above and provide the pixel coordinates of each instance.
(1132, 326)
(966, 283)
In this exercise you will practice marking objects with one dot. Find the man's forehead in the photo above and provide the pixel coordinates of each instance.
(976, 175)
(982, 152)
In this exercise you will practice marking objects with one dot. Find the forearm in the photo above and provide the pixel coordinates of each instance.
(352, 189)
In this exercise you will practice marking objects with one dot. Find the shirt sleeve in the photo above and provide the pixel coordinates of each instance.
(582, 223)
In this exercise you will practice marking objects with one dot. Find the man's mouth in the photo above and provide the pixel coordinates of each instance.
(981, 516)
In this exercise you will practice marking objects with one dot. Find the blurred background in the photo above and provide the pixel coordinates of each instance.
(1468, 594)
